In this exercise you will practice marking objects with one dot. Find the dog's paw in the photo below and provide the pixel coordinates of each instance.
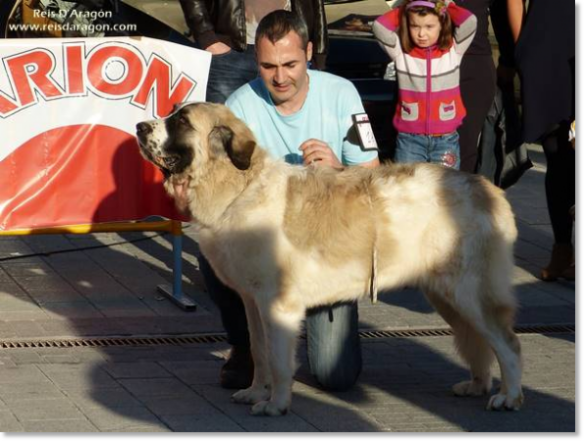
(472, 388)
(252, 395)
(268, 408)
(502, 401)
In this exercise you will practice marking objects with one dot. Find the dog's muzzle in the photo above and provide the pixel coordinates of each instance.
(165, 164)
(143, 130)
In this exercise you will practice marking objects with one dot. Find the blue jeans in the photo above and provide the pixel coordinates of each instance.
(420, 148)
(333, 345)
(229, 71)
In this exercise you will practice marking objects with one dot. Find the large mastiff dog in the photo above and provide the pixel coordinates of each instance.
(288, 238)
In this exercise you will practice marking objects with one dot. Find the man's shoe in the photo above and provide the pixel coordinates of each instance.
(238, 371)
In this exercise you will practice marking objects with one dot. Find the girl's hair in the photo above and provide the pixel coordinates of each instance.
(439, 10)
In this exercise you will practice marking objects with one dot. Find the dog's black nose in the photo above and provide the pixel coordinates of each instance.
(143, 128)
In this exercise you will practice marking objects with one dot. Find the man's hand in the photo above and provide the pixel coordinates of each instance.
(316, 152)
(218, 48)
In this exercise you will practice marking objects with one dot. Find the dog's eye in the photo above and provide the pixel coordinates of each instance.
(184, 121)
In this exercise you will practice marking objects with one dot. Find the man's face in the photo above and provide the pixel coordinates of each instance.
(424, 30)
(283, 68)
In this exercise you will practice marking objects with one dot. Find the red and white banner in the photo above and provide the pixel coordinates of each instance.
(68, 111)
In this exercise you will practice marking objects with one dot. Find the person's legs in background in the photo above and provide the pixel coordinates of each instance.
(238, 371)
(230, 71)
(478, 88)
(333, 345)
(560, 192)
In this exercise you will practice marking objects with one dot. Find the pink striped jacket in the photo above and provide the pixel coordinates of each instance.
(429, 79)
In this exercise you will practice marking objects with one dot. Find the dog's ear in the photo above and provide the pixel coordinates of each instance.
(239, 148)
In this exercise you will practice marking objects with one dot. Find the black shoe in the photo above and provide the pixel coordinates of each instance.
(238, 371)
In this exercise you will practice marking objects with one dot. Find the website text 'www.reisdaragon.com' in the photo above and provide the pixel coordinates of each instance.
(82, 28)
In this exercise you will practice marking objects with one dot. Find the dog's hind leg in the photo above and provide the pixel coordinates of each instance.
(282, 322)
(491, 312)
(260, 388)
(507, 347)
(471, 346)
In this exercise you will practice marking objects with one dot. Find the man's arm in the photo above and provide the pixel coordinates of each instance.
(350, 104)
(516, 10)
(370, 164)
(198, 20)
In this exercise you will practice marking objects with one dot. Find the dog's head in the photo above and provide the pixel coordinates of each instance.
(193, 136)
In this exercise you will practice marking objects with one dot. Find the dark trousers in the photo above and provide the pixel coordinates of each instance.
(560, 181)
(478, 87)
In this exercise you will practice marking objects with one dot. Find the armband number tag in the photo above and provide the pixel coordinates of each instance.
(365, 132)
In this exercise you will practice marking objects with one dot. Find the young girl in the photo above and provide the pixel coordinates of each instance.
(426, 40)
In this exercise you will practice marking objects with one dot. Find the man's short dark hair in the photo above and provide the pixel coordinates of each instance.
(278, 24)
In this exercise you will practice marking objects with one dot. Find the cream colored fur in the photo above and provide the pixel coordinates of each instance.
(288, 238)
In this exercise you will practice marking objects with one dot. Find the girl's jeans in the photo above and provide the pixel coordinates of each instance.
(420, 148)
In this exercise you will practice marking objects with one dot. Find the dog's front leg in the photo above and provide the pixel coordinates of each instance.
(260, 388)
(282, 326)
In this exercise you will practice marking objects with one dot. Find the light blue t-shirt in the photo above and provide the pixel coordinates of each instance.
(326, 115)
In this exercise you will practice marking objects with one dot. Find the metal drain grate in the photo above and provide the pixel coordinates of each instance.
(407, 333)
(446, 332)
(553, 329)
(113, 341)
(103, 342)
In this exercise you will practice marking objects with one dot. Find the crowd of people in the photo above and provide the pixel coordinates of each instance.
(267, 67)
